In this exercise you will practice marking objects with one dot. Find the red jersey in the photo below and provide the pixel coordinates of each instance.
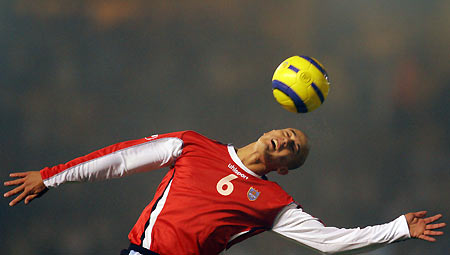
(206, 202)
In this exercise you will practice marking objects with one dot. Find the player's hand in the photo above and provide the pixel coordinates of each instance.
(421, 227)
(29, 185)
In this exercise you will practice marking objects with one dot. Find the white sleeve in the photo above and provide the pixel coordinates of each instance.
(117, 162)
(293, 223)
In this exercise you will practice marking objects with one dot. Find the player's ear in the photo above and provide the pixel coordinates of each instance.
(282, 171)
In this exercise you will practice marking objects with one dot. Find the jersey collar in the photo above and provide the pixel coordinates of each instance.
(238, 161)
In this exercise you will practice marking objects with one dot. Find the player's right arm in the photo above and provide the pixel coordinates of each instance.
(297, 225)
(114, 161)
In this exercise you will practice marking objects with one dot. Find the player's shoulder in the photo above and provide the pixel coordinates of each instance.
(276, 186)
(278, 192)
(190, 135)
(177, 134)
(186, 136)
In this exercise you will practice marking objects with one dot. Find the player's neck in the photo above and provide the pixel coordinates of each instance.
(251, 158)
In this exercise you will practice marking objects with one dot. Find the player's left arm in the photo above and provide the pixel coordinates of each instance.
(299, 226)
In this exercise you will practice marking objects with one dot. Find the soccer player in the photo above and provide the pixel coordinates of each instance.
(216, 195)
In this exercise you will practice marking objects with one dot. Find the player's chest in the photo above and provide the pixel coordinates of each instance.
(219, 179)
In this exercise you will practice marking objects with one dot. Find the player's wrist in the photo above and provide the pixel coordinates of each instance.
(403, 227)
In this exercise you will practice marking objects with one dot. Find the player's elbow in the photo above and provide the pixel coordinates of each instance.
(328, 250)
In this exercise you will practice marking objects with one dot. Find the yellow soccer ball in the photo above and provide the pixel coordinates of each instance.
(300, 84)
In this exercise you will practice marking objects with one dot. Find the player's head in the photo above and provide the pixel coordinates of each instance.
(283, 149)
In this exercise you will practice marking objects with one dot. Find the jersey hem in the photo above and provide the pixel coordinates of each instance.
(137, 248)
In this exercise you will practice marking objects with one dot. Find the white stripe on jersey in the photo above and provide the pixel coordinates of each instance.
(238, 235)
(153, 216)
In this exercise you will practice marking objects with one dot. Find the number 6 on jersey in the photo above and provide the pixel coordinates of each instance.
(226, 181)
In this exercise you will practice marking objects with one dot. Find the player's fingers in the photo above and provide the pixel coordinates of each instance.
(14, 191)
(18, 199)
(433, 233)
(19, 174)
(420, 214)
(434, 226)
(427, 238)
(30, 197)
(432, 218)
(14, 182)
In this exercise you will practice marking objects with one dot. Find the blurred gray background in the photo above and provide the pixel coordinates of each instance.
(76, 76)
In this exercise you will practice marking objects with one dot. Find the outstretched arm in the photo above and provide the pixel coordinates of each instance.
(29, 185)
(114, 161)
(297, 225)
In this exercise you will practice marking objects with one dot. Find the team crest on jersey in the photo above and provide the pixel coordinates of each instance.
(252, 194)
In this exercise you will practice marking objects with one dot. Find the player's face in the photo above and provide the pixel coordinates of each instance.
(283, 149)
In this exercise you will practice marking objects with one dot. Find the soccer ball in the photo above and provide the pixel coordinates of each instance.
(300, 84)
